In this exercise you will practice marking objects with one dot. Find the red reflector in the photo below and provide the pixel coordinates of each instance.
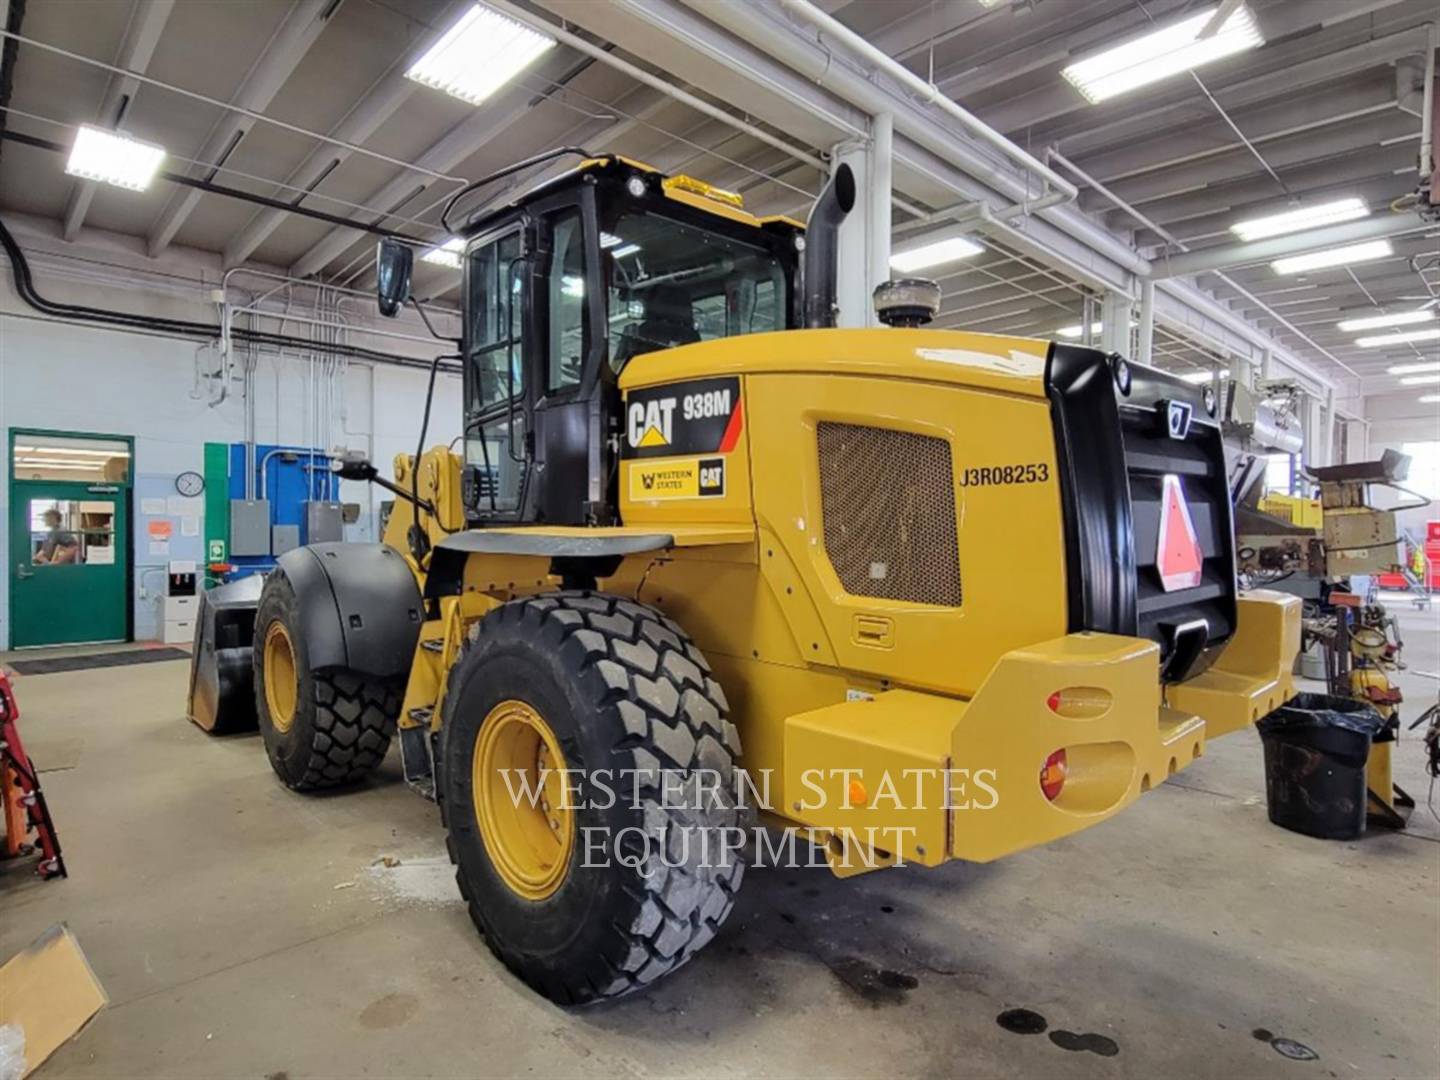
(1053, 702)
(1052, 775)
(1177, 554)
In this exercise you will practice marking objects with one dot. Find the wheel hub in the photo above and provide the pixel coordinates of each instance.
(282, 685)
(518, 785)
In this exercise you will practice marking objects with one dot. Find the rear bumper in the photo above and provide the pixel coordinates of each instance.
(974, 791)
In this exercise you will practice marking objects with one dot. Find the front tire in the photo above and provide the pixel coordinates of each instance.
(322, 728)
(617, 695)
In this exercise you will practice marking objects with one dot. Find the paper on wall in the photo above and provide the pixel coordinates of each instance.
(160, 547)
(176, 505)
(189, 525)
(152, 506)
(160, 528)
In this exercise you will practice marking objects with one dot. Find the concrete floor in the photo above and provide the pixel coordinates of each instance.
(245, 931)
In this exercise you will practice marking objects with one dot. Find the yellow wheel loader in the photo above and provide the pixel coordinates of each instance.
(709, 572)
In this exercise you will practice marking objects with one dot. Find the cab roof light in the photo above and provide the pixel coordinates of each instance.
(482, 52)
(704, 190)
(1162, 53)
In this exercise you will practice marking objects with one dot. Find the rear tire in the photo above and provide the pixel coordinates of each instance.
(322, 728)
(618, 687)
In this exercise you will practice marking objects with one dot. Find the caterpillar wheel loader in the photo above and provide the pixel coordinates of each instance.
(918, 594)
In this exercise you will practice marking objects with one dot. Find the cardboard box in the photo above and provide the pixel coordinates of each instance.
(48, 991)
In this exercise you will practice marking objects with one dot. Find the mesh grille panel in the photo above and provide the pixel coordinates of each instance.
(888, 503)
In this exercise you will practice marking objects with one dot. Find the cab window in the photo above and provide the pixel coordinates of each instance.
(565, 294)
(669, 283)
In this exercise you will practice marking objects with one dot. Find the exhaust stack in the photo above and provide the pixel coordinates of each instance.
(822, 232)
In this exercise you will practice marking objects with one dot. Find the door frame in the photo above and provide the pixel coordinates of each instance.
(128, 494)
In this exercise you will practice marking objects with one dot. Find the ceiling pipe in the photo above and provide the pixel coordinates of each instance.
(998, 185)
(1228, 256)
(927, 92)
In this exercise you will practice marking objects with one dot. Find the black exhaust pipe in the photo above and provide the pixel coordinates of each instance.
(822, 232)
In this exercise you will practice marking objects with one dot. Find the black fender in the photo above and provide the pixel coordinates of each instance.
(359, 607)
(221, 696)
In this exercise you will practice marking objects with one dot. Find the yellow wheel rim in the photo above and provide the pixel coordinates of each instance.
(528, 840)
(282, 685)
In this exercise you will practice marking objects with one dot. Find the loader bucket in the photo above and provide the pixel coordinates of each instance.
(222, 698)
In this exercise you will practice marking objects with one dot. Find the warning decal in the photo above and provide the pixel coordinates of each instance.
(702, 416)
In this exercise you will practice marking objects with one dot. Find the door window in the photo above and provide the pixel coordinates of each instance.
(565, 293)
(63, 457)
(71, 532)
(496, 281)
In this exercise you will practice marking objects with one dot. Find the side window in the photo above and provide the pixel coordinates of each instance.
(569, 313)
(496, 370)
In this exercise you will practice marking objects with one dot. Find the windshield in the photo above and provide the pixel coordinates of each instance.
(670, 284)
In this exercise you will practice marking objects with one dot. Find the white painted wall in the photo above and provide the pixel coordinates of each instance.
(70, 376)
(1396, 419)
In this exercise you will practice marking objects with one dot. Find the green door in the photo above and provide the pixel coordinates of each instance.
(69, 556)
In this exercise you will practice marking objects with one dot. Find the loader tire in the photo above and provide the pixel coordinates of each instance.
(322, 728)
(598, 683)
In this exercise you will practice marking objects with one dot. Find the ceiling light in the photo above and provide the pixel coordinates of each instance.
(113, 158)
(447, 254)
(1340, 256)
(478, 55)
(1076, 330)
(1198, 377)
(626, 250)
(71, 450)
(1163, 53)
(936, 254)
(1398, 339)
(1429, 399)
(1420, 380)
(1375, 322)
(1306, 217)
(1412, 369)
(609, 240)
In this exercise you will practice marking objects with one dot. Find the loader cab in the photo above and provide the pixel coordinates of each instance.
(565, 286)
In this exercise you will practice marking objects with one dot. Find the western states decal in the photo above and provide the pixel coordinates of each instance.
(684, 478)
(702, 416)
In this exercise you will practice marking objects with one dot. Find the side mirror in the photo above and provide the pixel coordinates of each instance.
(393, 264)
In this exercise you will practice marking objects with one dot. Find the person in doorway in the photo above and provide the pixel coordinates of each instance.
(59, 545)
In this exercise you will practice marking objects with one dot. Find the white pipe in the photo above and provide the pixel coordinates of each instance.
(928, 93)
(1427, 108)
(1145, 347)
(882, 160)
(594, 51)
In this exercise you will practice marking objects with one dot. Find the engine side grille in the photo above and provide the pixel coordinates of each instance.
(887, 502)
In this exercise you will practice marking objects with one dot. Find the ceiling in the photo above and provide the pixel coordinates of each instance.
(1328, 106)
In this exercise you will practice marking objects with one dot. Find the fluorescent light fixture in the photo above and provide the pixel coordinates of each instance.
(1163, 53)
(572, 286)
(1429, 399)
(1198, 377)
(479, 54)
(113, 158)
(1376, 322)
(936, 254)
(45, 463)
(989, 3)
(19, 449)
(1413, 369)
(1305, 217)
(1420, 380)
(447, 254)
(1076, 330)
(609, 240)
(1339, 256)
(1399, 339)
(625, 251)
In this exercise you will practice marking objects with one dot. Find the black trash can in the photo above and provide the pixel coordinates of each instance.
(1316, 747)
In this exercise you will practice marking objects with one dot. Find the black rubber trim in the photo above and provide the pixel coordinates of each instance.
(1094, 489)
